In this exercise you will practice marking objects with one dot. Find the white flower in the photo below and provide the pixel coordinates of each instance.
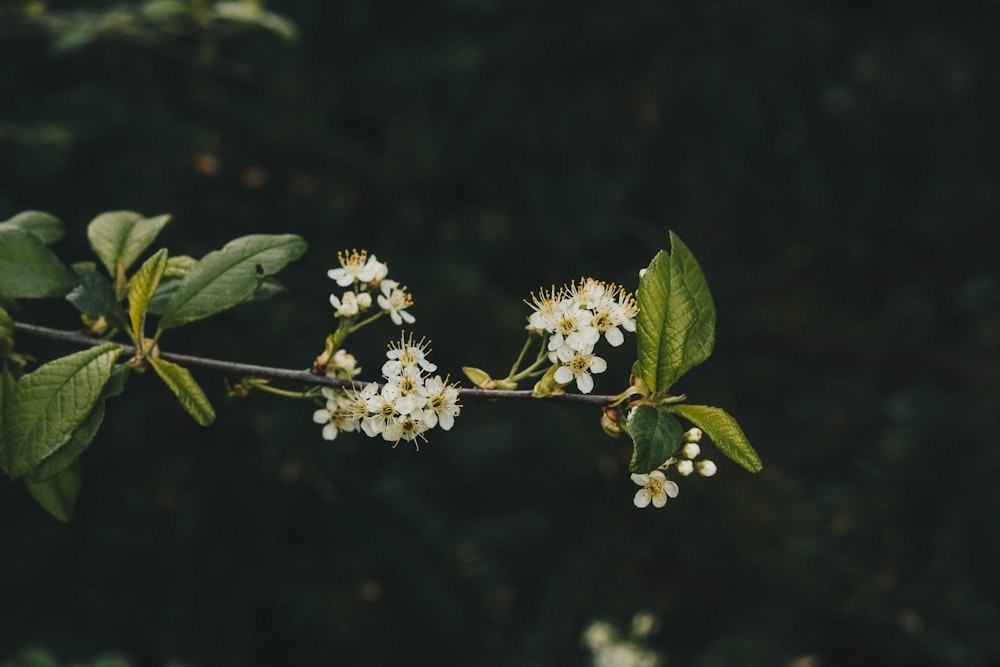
(655, 488)
(382, 412)
(410, 384)
(337, 415)
(344, 365)
(408, 427)
(394, 299)
(358, 267)
(349, 305)
(706, 468)
(579, 365)
(546, 307)
(442, 403)
(407, 353)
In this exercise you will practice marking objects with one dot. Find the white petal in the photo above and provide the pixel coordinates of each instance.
(660, 499)
(446, 420)
(614, 336)
(640, 479)
(670, 489)
(584, 383)
(321, 417)
(641, 498)
(563, 375)
(345, 280)
(396, 319)
(329, 432)
(334, 301)
(598, 365)
(409, 319)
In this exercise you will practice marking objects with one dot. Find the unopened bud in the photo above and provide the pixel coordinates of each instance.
(691, 450)
(693, 435)
(706, 468)
(685, 467)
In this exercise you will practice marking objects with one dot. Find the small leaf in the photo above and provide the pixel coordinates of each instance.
(28, 269)
(46, 228)
(724, 432)
(478, 376)
(656, 435)
(676, 322)
(141, 287)
(226, 277)
(120, 237)
(49, 404)
(188, 392)
(7, 328)
(66, 455)
(254, 14)
(58, 493)
(177, 267)
(94, 296)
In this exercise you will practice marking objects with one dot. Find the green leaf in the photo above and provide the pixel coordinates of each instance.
(254, 14)
(141, 287)
(49, 404)
(58, 493)
(6, 328)
(120, 237)
(66, 455)
(724, 432)
(28, 269)
(6, 389)
(676, 321)
(188, 392)
(94, 296)
(656, 435)
(226, 277)
(46, 228)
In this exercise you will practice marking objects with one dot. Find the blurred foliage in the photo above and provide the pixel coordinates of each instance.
(831, 164)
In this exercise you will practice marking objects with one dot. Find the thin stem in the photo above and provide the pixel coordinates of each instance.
(368, 321)
(261, 386)
(237, 370)
(520, 358)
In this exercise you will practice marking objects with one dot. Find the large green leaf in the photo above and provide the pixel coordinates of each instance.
(141, 287)
(48, 405)
(187, 390)
(676, 322)
(28, 269)
(66, 455)
(120, 237)
(656, 435)
(58, 494)
(46, 228)
(724, 432)
(226, 277)
(94, 296)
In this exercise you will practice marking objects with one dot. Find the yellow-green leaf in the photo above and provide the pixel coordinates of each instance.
(141, 287)
(188, 392)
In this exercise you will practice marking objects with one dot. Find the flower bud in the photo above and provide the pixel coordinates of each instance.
(691, 450)
(706, 468)
(693, 435)
(685, 467)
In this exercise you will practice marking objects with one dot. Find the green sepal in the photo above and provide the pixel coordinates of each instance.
(140, 289)
(45, 227)
(723, 431)
(28, 269)
(229, 276)
(58, 494)
(118, 238)
(675, 326)
(48, 405)
(186, 389)
(656, 435)
(94, 296)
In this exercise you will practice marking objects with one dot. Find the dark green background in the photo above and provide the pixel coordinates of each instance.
(832, 165)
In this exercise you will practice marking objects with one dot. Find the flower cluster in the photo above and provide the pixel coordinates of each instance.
(656, 488)
(364, 274)
(409, 403)
(575, 317)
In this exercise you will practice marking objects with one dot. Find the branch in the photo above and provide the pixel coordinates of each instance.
(236, 370)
